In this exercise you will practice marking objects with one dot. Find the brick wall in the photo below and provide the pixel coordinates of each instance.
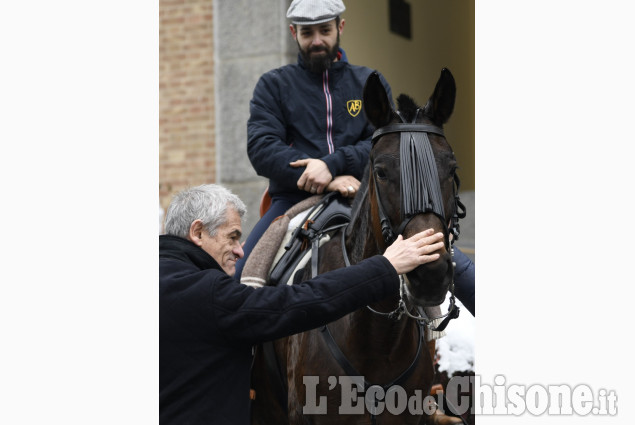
(186, 101)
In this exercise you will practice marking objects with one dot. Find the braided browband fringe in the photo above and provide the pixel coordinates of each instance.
(420, 188)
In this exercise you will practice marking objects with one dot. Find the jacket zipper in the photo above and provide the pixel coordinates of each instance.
(329, 111)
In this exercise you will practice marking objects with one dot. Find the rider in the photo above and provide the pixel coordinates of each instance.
(306, 131)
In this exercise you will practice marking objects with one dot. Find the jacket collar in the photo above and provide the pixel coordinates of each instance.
(177, 248)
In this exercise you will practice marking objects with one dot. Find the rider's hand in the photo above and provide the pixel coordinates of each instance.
(407, 254)
(346, 185)
(316, 176)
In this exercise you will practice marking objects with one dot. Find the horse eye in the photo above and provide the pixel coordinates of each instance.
(380, 173)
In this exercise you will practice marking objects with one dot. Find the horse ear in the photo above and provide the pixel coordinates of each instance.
(441, 103)
(377, 106)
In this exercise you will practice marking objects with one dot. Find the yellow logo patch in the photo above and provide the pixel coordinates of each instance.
(354, 106)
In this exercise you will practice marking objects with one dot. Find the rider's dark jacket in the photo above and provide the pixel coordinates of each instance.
(296, 114)
(209, 322)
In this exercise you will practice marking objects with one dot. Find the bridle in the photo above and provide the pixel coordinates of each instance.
(420, 194)
(420, 187)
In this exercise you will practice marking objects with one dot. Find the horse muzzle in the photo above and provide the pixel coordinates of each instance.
(429, 283)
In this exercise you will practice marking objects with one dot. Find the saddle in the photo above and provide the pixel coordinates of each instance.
(329, 215)
(294, 238)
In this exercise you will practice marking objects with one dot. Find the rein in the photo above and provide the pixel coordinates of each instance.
(353, 373)
(348, 367)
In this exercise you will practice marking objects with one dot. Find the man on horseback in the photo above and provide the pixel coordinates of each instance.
(209, 322)
(306, 130)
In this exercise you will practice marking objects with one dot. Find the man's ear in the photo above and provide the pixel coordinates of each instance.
(293, 33)
(196, 232)
(341, 28)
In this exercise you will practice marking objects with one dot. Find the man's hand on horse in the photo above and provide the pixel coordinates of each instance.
(346, 185)
(407, 254)
(315, 177)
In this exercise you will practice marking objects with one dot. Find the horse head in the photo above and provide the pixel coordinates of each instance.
(412, 179)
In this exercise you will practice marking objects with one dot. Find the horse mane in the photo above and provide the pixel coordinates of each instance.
(359, 217)
(407, 107)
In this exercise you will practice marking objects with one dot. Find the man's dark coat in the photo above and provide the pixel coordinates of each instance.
(209, 322)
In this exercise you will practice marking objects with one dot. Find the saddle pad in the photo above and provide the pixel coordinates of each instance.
(293, 224)
(261, 260)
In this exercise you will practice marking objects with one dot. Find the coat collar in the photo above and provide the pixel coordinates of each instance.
(177, 248)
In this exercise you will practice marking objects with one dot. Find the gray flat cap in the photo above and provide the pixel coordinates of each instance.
(309, 12)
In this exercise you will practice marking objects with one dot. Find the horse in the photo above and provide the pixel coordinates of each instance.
(325, 376)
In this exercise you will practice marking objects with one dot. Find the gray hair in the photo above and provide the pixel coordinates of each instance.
(207, 202)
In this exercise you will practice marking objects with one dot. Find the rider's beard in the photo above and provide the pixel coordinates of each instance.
(323, 61)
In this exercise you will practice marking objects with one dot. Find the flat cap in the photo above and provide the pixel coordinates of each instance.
(309, 12)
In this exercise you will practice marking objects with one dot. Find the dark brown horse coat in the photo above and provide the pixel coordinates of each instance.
(376, 347)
